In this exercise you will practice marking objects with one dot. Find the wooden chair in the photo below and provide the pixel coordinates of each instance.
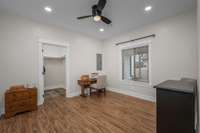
(100, 85)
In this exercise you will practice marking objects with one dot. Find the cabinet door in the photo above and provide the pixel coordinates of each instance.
(175, 112)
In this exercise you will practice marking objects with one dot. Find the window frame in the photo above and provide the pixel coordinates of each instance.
(136, 45)
(99, 62)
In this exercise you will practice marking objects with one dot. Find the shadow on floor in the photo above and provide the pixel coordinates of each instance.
(54, 93)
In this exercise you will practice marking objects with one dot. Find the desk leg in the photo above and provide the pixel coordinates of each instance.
(90, 91)
(82, 91)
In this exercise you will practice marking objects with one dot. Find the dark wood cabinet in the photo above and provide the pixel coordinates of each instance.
(19, 100)
(176, 107)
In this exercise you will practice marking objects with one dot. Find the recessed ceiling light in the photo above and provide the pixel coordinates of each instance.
(148, 8)
(48, 9)
(101, 29)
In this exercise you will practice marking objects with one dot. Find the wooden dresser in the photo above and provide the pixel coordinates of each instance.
(19, 99)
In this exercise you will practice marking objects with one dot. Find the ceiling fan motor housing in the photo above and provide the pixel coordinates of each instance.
(97, 13)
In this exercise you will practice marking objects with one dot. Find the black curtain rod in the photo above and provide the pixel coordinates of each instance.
(120, 43)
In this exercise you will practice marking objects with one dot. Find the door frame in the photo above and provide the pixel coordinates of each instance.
(41, 42)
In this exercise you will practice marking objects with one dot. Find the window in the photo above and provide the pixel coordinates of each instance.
(135, 64)
(99, 62)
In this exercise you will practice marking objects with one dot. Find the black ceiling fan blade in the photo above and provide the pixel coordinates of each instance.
(83, 17)
(106, 20)
(101, 4)
(94, 10)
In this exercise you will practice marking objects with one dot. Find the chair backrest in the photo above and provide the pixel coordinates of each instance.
(94, 75)
(101, 81)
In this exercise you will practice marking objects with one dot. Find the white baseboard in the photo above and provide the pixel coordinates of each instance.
(40, 102)
(54, 87)
(125, 92)
(132, 93)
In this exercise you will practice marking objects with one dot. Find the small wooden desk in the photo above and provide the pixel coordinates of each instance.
(85, 84)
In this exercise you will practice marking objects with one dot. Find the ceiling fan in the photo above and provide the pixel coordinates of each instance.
(97, 13)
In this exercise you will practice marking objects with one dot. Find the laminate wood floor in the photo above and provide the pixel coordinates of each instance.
(113, 113)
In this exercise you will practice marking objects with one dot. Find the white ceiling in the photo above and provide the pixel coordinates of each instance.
(125, 14)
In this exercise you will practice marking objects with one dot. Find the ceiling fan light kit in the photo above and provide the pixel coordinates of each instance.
(97, 18)
(97, 13)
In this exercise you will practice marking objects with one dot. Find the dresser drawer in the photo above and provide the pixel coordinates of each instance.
(17, 96)
(32, 102)
(19, 104)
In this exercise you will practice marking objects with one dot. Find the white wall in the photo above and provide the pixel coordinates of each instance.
(55, 73)
(174, 54)
(19, 52)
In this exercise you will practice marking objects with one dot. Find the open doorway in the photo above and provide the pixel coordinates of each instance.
(54, 77)
(53, 70)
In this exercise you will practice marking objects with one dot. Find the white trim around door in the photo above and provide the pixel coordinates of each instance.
(41, 42)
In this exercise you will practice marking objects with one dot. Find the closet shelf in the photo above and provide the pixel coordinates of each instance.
(54, 57)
